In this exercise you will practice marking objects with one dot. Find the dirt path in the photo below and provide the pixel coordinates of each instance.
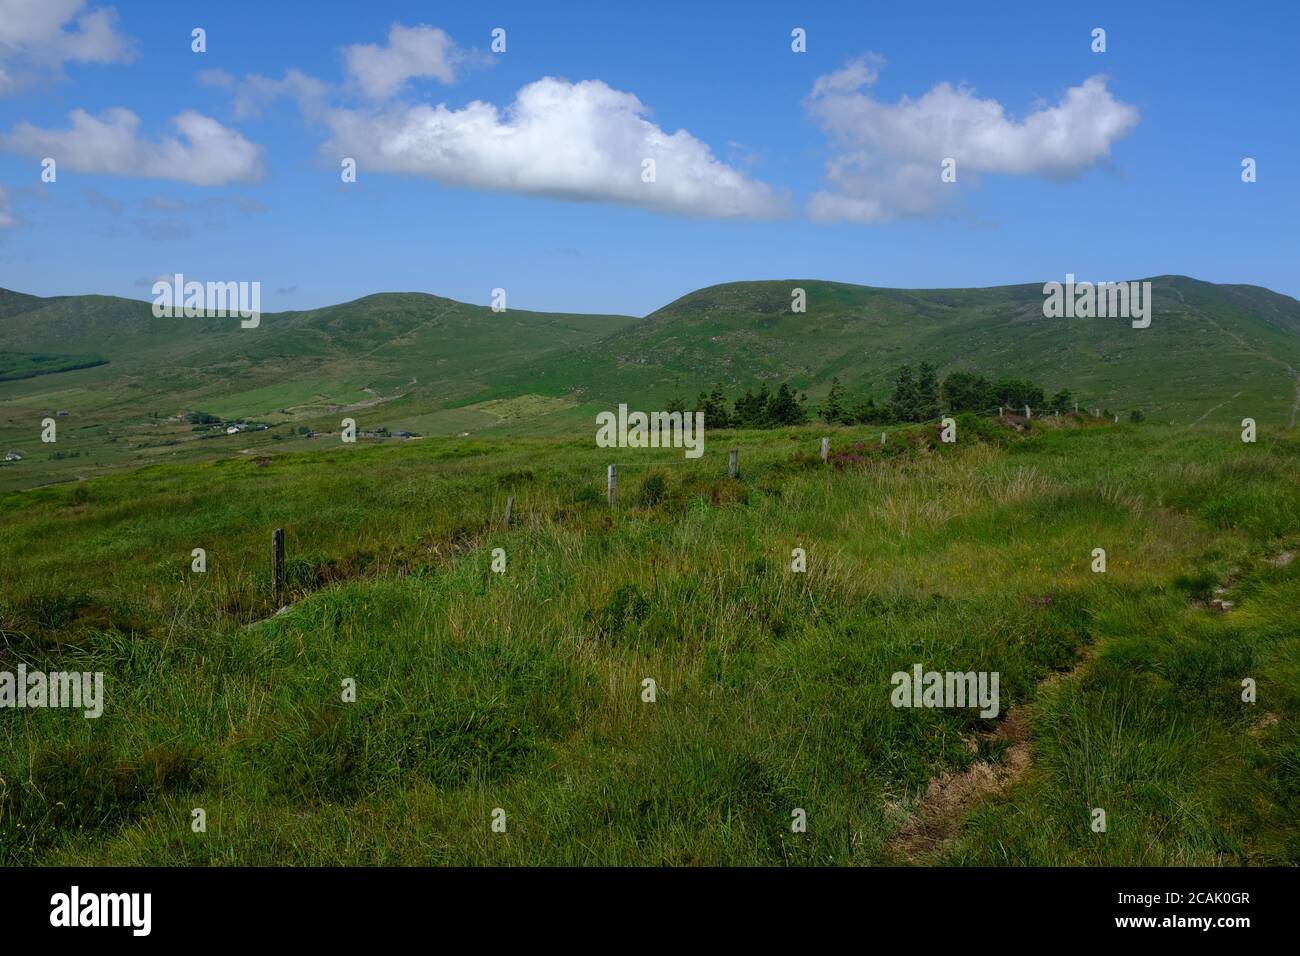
(950, 795)
(1220, 405)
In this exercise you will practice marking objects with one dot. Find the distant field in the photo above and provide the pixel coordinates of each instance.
(524, 690)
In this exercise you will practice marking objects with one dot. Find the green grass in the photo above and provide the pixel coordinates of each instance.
(522, 690)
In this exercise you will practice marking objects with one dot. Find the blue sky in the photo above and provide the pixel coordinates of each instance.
(1111, 165)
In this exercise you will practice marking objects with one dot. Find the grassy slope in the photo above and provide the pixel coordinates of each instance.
(1234, 347)
(522, 690)
(392, 359)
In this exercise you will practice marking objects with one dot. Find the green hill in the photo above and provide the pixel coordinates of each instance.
(437, 367)
(1234, 348)
(405, 355)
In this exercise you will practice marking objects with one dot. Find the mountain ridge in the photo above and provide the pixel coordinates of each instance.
(5, 293)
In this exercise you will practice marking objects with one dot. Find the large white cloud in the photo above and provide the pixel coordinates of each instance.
(418, 51)
(583, 141)
(206, 154)
(886, 158)
(42, 35)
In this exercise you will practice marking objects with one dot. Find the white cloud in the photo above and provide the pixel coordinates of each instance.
(858, 72)
(41, 35)
(378, 72)
(209, 155)
(254, 92)
(583, 141)
(412, 52)
(886, 157)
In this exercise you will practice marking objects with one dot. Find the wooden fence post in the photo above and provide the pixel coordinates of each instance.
(733, 463)
(826, 448)
(510, 507)
(613, 483)
(277, 566)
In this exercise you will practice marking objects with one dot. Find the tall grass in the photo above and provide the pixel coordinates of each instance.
(523, 690)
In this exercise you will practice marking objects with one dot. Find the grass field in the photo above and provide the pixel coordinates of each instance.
(523, 690)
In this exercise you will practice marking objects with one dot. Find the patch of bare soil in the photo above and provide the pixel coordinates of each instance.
(950, 795)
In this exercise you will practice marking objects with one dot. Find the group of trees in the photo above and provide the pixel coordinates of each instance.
(967, 392)
(764, 409)
(918, 396)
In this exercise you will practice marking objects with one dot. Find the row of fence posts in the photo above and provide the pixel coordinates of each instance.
(733, 457)
(1028, 412)
(733, 471)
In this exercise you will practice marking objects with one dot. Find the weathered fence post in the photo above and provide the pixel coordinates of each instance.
(826, 448)
(1027, 412)
(1000, 411)
(510, 507)
(613, 483)
(277, 566)
(733, 463)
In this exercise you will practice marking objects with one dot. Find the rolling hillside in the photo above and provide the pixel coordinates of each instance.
(411, 352)
(1231, 348)
(436, 367)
